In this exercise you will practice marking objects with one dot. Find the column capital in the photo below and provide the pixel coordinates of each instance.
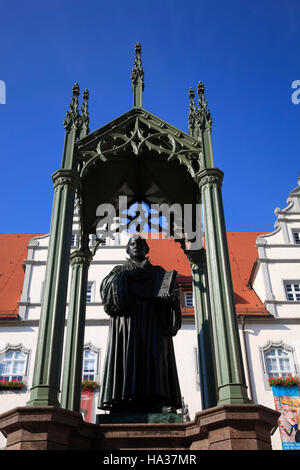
(210, 176)
(81, 257)
(65, 177)
(196, 257)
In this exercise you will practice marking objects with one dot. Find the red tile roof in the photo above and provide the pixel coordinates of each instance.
(242, 254)
(163, 252)
(13, 252)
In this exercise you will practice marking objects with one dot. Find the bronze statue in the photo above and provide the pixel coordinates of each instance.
(140, 374)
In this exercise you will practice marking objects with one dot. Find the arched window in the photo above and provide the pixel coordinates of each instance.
(14, 362)
(91, 363)
(278, 360)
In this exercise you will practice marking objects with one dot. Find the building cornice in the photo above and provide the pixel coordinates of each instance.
(284, 302)
(281, 245)
(268, 319)
(97, 261)
(39, 304)
(186, 320)
(278, 260)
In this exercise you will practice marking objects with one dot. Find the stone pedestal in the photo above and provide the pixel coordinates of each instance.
(227, 427)
(139, 418)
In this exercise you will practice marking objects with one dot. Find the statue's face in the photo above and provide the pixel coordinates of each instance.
(137, 248)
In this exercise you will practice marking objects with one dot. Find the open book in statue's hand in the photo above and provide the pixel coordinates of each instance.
(165, 283)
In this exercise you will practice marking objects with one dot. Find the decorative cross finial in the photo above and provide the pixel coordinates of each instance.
(137, 78)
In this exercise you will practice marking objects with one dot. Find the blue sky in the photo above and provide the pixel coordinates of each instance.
(246, 53)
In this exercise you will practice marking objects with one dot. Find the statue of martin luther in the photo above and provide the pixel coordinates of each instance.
(140, 374)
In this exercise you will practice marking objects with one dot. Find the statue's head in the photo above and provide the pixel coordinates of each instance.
(137, 247)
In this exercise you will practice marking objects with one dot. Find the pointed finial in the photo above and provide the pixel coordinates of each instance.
(75, 118)
(204, 117)
(192, 111)
(75, 94)
(76, 90)
(73, 114)
(201, 90)
(137, 77)
(86, 95)
(199, 117)
(138, 48)
(85, 112)
(191, 93)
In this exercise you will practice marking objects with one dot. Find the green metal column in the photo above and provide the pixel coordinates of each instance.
(46, 379)
(231, 381)
(71, 389)
(47, 371)
(206, 361)
(230, 376)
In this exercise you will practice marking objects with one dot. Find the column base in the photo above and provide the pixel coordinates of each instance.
(233, 394)
(227, 427)
(44, 395)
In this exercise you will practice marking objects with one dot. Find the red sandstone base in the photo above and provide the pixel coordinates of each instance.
(228, 427)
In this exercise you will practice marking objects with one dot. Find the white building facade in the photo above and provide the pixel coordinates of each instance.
(270, 343)
(274, 344)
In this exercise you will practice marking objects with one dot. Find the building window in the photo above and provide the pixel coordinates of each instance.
(296, 235)
(94, 240)
(91, 363)
(102, 241)
(292, 290)
(188, 299)
(74, 240)
(90, 292)
(13, 363)
(278, 361)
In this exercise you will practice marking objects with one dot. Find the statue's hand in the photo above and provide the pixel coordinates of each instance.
(167, 298)
(173, 297)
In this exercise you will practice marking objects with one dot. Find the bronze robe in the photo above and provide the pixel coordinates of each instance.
(140, 372)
